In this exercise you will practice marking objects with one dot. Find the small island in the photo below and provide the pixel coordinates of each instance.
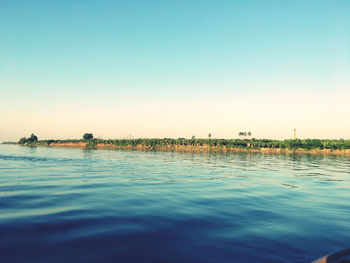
(312, 146)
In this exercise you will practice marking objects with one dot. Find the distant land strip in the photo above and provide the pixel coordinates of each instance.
(312, 146)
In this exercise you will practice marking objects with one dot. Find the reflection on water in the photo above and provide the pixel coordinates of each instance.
(79, 205)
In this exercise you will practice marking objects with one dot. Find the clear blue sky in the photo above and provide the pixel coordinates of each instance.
(174, 68)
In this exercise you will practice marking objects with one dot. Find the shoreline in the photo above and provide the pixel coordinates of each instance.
(195, 148)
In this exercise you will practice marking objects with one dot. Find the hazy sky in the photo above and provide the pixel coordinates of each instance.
(174, 68)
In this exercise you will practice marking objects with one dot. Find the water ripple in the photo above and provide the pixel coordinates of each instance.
(134, 206)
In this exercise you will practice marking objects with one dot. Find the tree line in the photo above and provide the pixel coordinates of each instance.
(245, 143)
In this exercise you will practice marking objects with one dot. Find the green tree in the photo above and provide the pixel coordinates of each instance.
(209, 135)
(32, 138)
(244, 134)
(22, 140)
(88, 136)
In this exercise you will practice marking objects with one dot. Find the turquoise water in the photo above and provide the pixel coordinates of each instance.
(77, 205)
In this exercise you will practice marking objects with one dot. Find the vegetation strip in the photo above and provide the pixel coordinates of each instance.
(317, 146)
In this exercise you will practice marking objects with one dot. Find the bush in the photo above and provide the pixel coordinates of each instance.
(50, 141)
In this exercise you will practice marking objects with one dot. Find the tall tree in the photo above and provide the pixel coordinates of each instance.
(88, 136)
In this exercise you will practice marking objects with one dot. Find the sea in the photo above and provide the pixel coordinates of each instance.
(87, 205)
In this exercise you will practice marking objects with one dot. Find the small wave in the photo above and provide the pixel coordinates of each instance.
(39, 159)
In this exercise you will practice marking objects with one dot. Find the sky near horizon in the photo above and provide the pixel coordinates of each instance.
(174, 68)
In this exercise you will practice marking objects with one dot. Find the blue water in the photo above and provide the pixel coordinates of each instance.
(77, 205)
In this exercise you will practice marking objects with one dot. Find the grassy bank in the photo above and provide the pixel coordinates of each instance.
(315, 146)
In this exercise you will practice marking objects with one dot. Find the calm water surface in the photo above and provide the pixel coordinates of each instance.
(75, 205)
